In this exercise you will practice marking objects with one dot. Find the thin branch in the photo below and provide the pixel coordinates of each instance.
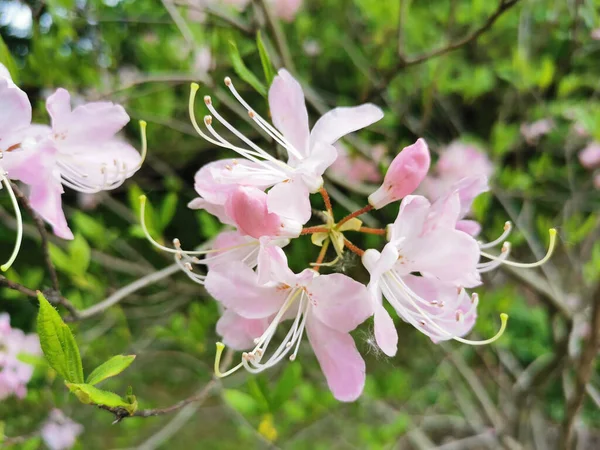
(125, 291)
(181, 24)
(5, 282)
(278, 36)
(583, 373)
(39, 223)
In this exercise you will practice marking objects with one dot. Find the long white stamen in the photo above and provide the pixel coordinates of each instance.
(551, 246)
(409, 295)
(491, 265)
(500, 239)
(266, 126)
(19, 220)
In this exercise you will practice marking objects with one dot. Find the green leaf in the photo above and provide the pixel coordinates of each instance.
(80, 253)
(240, 401)
(265, 60)
(114, 366)
(58, 343)
(89, 395)
(243, 72)
(167, 209)
(286, 385)
(60, 259)
(7, 60)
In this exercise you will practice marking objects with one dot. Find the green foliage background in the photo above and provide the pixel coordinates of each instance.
(537, 61)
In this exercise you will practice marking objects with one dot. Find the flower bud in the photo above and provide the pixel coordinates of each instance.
(247, 208)
(404, 175)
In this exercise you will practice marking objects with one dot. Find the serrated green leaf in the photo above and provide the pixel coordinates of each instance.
(243, 72)
(89, 394)
(167, 209)
(80, 253)
(7, 60)
(114, 366)
(265, 60)
(58, 343)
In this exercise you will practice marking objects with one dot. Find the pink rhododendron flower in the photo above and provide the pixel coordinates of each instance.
(238, 332)
(356, 168)
(404, 175)
(328, 307)
(595, 34)
(309, 153)
(590, 155)
(14, 373)
(60, 432)
(532, 132)
(286, 9)
(203, 61)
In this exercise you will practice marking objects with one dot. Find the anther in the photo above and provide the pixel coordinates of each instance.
(292, 357)
(251, 114)
(227, 81)
(207, 100)
(176, 243)
(422, 322)
(288, 345)
(474, 298)
(208, 120)
(189, 267)
(459, 316)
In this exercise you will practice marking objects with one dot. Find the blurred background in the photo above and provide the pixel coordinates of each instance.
(518, 80)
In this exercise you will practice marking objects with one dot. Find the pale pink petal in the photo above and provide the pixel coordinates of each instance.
(321, 157)
(386, 335)
(287, 9)
(339, 359)
(339, 302)
(404, 175)
(247, 207)
(15, 113)
(411, 218)
(274, 265)
(590, 155)
(4, 73)
(238, 332)
(216, 210)
(228, 240)
(341, 121)
(236, 286)
(91, 123)
(288, 110)
(290, 200)
(46, 200)
(471, 227)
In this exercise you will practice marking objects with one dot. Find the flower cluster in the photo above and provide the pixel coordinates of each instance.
(15, 373)
(60, 432)
(79, 150)
(430, 260)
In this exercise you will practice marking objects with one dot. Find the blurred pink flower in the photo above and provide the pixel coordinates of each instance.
(327, 306)
(60, 432)
(590, 155)
(286, 9)
(14, 373)
(595, 34)
(404, 175)
(532, 132)
(203, 61)
(357, 168)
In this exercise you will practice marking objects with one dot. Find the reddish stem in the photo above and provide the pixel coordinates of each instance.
(357, 213)
(327, 200)
(379, 231)
(353, 248)
(321, 256)
(311, 230)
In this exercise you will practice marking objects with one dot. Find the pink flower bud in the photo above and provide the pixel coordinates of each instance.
(404, 174)
(590, 156)
(247, 208)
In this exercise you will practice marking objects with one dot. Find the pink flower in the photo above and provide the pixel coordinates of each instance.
(286, 9)
(424, 241)
(309, 153)
(590, 155)
(60, 432)
(532, 132)
(404, 175)
(595, 34)
(356, 168)
(328, 307)
(14, 373)
(203, 61)
(238, 332)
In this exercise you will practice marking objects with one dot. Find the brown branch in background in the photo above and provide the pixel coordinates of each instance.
(39, 223)
(583, 373)
(5, 282)
(402, 63)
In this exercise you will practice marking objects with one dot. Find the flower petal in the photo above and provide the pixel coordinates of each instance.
(238, 332)
(339, 302)
(290, 200)
(339, 359)
(385, 330)
(288, 110)
(15, 113)
(344, 120)
(236, 286)
(45, 199)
